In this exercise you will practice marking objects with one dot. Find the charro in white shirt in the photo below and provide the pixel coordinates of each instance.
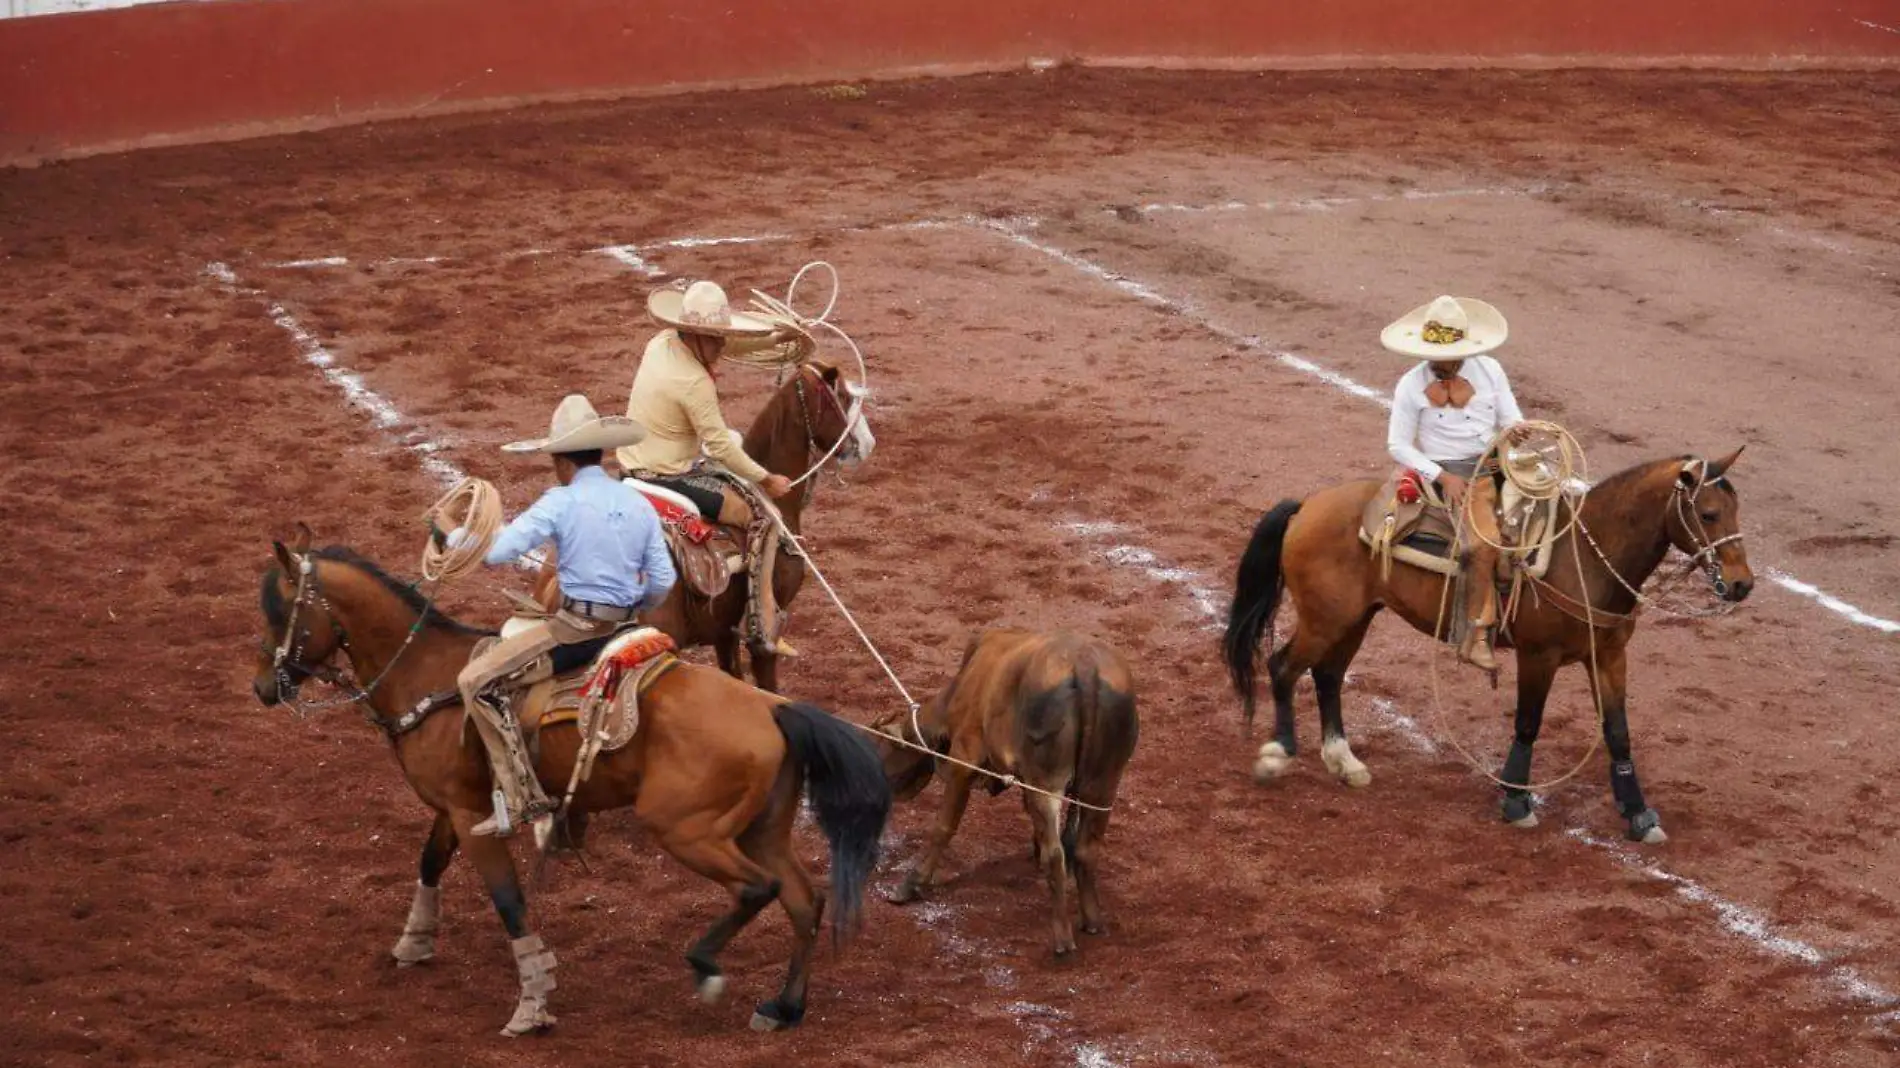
(1425, 438)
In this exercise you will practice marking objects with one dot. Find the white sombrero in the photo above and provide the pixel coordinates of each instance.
(702, 308)
(1449, 328)
(577, 427)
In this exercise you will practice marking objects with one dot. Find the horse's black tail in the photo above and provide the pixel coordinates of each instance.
(845, 781)
(1258, 584)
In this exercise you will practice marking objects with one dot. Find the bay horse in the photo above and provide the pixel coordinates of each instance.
(715, 772)
(814, 410)
(1311, 550)
(1055, 711)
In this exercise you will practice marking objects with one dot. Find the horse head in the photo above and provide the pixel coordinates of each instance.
(301, 632)
(1705, 524)
(833, 409)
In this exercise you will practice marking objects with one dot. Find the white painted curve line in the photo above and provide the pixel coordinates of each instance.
(385, 414)
(1738, 920)
(1207, 601)
(1832, 603)
(1876, 26)
(630, 255)
(1745, 923)
(1329, 203)
(1149, 295)
(1013, 231)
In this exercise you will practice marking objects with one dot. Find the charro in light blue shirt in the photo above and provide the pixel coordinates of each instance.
(607, 541)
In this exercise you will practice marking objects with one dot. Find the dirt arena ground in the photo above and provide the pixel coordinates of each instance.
(1110, 317)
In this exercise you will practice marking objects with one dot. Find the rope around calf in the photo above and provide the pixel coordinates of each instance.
(785, 313)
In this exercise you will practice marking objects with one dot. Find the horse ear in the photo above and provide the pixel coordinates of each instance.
(1720, 467)
(830, 375)
(304, 537)
(284, 558)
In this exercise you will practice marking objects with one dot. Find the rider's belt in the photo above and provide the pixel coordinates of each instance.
(608, 613)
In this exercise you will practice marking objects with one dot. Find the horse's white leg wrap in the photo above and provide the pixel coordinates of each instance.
(1337, 754)
(1272, 762)
(417, 943)
(535, 962)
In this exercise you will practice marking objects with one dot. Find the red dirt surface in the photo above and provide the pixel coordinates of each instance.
(194, 880)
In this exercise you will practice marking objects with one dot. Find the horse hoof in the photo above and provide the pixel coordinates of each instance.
(1064, 949)
(1358, 778)
(712, 988)
(1094, 928)
(410, 962)
(1518, 811)
(528, 1020)
(1272, 763)
(1646, 827)
(905, 893)
(771, 1016)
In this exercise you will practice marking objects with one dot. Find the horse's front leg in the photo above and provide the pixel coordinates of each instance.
(1534, 676)
(533, 960)
(1610, 682)
(417, 943)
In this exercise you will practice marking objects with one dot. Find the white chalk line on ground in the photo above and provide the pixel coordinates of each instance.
(1876, 26)
(1323, 204)
(387, 417)
(1736, 919)
(1015, 232)
(637, 249)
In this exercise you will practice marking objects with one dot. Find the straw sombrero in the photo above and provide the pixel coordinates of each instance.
(702, 308)
(1449, 328)
(577, 427)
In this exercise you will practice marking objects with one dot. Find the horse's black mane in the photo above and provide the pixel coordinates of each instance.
(277, 610)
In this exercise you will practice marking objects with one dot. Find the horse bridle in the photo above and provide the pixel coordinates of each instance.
(850, 415)
(288, 665)
(1684, 498)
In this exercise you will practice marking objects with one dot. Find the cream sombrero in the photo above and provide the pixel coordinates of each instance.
(1449, 328)
(576, 427)
(702, 308)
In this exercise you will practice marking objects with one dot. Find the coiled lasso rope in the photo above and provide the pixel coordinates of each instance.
(1538, 476)
(480, 519)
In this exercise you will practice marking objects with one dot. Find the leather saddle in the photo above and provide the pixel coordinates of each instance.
(707, 554)
(554, 688)
(1422, 533)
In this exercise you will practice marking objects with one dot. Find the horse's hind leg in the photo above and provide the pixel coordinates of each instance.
(1276, 756)
(1329, 678)
(417, 943)
(753, 888)
(804, 907)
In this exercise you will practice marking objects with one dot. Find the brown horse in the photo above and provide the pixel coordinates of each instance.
(715, 772)
(1628, 523)
(1055, 711)
(810, 413)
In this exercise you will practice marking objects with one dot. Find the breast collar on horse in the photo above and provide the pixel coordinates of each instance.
(287, 661)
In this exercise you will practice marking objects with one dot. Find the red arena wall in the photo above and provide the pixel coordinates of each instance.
(218, 68)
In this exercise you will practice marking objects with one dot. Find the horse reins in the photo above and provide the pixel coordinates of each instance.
(285, 662)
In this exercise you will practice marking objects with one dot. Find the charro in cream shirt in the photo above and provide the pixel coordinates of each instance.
(674, 398)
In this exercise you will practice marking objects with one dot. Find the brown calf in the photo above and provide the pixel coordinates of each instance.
(1057, 712)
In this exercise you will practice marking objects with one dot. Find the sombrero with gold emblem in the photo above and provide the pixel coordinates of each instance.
(1449, 328)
